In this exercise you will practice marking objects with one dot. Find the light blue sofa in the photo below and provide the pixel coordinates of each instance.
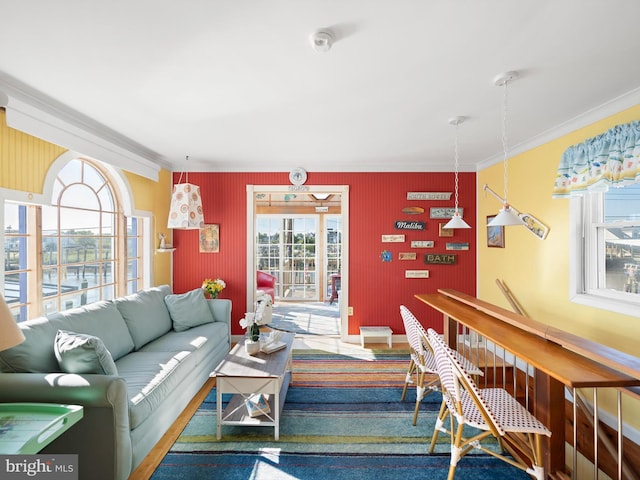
(155, 352)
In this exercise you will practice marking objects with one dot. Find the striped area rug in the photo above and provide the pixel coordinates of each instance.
(343, 419)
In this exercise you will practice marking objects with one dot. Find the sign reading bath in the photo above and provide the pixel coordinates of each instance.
(404, 225)
(440, 258)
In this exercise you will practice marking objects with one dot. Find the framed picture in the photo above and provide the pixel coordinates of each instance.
(495, 235)
(210, 239)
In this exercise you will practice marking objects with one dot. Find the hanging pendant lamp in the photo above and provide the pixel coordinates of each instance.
(456, 220)
(506, 216)
(185, 211)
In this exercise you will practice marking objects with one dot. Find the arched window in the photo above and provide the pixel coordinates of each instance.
(90, 251)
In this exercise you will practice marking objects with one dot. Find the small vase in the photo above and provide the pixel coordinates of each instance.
(254, 332)
(251, 347)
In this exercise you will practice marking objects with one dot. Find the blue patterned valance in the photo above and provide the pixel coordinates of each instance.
(610, 159)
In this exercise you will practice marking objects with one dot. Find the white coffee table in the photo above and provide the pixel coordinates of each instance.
(245, 375)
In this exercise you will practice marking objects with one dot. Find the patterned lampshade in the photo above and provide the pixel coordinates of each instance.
(10, 333)
(186, 207)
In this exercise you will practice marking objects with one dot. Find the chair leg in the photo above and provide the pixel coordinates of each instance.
(456, 451)
(407, 380)
(439, 426)
(419, 396)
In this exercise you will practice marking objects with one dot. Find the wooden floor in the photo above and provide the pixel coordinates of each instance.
(314, 342)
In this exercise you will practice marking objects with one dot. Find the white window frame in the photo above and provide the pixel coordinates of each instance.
(586, 214)
(118, 181)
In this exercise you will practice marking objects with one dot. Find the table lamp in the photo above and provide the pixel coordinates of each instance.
(10, 333)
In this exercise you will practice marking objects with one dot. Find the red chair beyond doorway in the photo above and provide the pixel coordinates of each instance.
(267, 283)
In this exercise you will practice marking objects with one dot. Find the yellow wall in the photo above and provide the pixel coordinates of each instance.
(155, 197)
(537, 271)
(25, 161)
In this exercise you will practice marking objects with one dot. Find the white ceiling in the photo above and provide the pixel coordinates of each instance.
(236, 86)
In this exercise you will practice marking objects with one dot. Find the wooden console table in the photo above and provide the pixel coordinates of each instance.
(558, 359)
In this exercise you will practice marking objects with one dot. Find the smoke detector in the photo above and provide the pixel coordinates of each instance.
(322, 40)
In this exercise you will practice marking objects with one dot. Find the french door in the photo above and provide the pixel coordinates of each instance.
(287, 247)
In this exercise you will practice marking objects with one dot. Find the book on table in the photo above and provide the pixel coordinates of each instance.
(257, 405)
(270, 347)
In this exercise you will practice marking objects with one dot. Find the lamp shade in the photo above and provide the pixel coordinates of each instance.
(10, 333)
(186, 207)
(457, 222)
(506, 217)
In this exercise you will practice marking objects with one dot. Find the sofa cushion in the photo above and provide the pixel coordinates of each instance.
(145, 314)
(150, 376)
(188, 310)
(35, 354)
(82, 353)
(200, 340)
(100, 319)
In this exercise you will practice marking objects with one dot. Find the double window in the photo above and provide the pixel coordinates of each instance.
(77, 250)
(607, 249)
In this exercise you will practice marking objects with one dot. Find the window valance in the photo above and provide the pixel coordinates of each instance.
(609, 159)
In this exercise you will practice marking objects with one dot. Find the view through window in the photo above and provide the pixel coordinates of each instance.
(90, 251)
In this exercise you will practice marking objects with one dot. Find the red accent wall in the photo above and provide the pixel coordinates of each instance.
(376, 288)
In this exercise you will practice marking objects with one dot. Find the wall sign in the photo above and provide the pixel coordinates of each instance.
(416, 274)
(412, 210)
(393, 238)
(445, 232)
(421, 243)
(440, 258)
(407, 256)
(458, 246)
(403, 225)
(444, 212)
(428, 195)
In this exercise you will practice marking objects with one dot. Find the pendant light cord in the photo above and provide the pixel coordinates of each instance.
(455, 156)
(504, 139)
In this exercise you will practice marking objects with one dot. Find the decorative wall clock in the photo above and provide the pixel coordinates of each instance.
(297, 176)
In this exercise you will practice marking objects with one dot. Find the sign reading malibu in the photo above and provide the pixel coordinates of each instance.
(403, 225)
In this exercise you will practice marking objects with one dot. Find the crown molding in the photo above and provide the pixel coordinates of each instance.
(35, 114)
(613, 106)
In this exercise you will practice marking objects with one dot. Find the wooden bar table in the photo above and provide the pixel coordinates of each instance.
(555, 365)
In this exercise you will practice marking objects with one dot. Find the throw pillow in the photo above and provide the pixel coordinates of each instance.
(188, 310)
(145, 314)
(82, 353)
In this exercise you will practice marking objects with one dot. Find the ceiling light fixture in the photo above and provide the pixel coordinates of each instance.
(321, 40)
(506, 216)
(456, 220)
(185, 212)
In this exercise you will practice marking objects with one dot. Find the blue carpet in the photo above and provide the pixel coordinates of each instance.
(274, 465)
(350, 433)
(342, 419)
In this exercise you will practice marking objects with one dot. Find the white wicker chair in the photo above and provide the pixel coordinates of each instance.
(422, 361)
(492, 410)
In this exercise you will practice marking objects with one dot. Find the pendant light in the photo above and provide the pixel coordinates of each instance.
(456, 220)
(506, 216)
(185, 211)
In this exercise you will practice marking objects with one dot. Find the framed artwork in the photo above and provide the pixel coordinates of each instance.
(495, 235)
(210, 239)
